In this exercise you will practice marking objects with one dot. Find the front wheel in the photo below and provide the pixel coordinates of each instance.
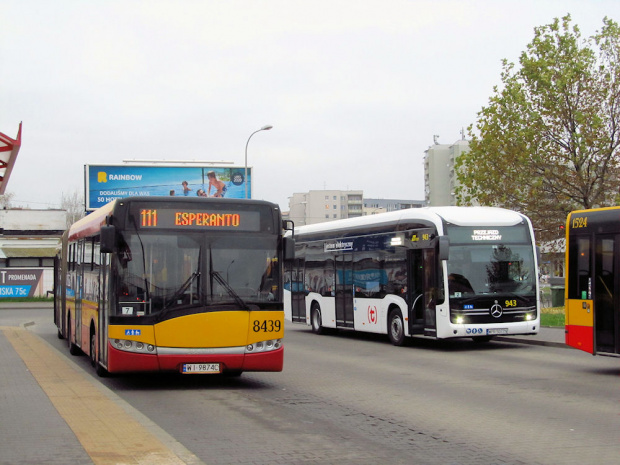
(93, 349)
(315, 319)
(73, 348)
(396, 328)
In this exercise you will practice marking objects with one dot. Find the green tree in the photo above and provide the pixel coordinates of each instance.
(548, 141)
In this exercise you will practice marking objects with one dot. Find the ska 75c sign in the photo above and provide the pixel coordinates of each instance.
(19, 282)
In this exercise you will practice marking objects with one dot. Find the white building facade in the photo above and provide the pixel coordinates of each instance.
(325, 205)
(439, 175)
(28, 244)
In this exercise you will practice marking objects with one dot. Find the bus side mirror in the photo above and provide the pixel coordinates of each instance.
(108, 239)
(444, 247)
(289, 248)
(288, 225)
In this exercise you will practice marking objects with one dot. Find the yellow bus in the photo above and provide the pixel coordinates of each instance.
(174, 284)
(592, 294)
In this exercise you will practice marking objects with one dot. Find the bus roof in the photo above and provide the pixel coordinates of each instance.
(91, 224)
(461, 216)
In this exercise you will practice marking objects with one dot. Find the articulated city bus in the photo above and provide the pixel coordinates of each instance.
(189, 285)
(445, 272)
(592, 294)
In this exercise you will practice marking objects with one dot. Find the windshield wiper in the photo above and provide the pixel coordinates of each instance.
(229, 289)
(181, 290)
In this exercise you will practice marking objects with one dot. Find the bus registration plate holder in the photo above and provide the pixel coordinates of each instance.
(497, 331)
(193, 368)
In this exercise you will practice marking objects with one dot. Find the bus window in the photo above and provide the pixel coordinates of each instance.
(579, 286)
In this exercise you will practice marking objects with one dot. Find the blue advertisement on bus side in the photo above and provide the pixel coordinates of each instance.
(105, 183)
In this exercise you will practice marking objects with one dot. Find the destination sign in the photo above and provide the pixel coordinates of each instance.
(170, 218)
(518, 234)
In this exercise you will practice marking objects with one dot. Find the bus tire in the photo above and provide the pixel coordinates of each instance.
(73, 349)
(102, 372)
(396, 328)
(93, 348)
(315, 319)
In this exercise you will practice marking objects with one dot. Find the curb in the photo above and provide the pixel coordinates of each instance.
(24, 305)
(533, 342)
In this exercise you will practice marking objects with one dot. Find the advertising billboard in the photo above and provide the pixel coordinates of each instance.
(105, 183)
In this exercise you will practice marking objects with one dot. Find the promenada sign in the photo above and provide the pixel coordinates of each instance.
(20, 282)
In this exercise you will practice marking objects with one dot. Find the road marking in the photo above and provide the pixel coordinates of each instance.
(106, 430)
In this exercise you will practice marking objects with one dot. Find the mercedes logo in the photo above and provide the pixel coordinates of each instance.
(496, 310)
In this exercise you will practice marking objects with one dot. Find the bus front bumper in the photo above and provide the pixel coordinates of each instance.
(120, 361)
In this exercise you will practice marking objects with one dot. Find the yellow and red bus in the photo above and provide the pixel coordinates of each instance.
(592, 295)
(174, 284)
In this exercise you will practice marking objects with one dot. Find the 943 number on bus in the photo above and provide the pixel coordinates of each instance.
(267, 326)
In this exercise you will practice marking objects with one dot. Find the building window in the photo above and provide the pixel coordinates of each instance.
(335, 207)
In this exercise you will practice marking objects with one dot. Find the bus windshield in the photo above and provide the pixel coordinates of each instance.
(491, 269)
(164, 271)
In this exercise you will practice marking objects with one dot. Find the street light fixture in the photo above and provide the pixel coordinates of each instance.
(264, 128)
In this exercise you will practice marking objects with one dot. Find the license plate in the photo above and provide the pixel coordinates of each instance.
(497, 331)
(189, 368)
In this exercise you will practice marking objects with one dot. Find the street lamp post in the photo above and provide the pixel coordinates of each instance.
(264, 128)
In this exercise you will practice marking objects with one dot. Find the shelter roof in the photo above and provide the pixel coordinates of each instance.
(28, 252)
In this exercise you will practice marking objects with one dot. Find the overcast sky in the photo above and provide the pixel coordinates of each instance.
(355, 90)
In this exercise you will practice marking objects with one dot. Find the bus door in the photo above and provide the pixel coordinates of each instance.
(79, 293)
(344, 291)
(104, 307)
(433, 290)
(415, 290)
(606, 289)
(298, 291)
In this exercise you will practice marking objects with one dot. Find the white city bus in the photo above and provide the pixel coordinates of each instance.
(444, 272)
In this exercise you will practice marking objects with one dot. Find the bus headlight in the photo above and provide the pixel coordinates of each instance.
(263, 346)
(133, 346)
(460, 320)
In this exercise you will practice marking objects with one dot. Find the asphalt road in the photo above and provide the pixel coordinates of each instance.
(355, 399)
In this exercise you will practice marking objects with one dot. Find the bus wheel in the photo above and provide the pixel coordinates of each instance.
(101, 372)
(396, 328)
(315, 319)
(73, 349)
(93, 349)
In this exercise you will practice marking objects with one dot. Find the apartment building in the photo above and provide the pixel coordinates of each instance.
(439, 174)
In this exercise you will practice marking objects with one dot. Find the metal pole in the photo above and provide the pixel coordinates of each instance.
(264, 128)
